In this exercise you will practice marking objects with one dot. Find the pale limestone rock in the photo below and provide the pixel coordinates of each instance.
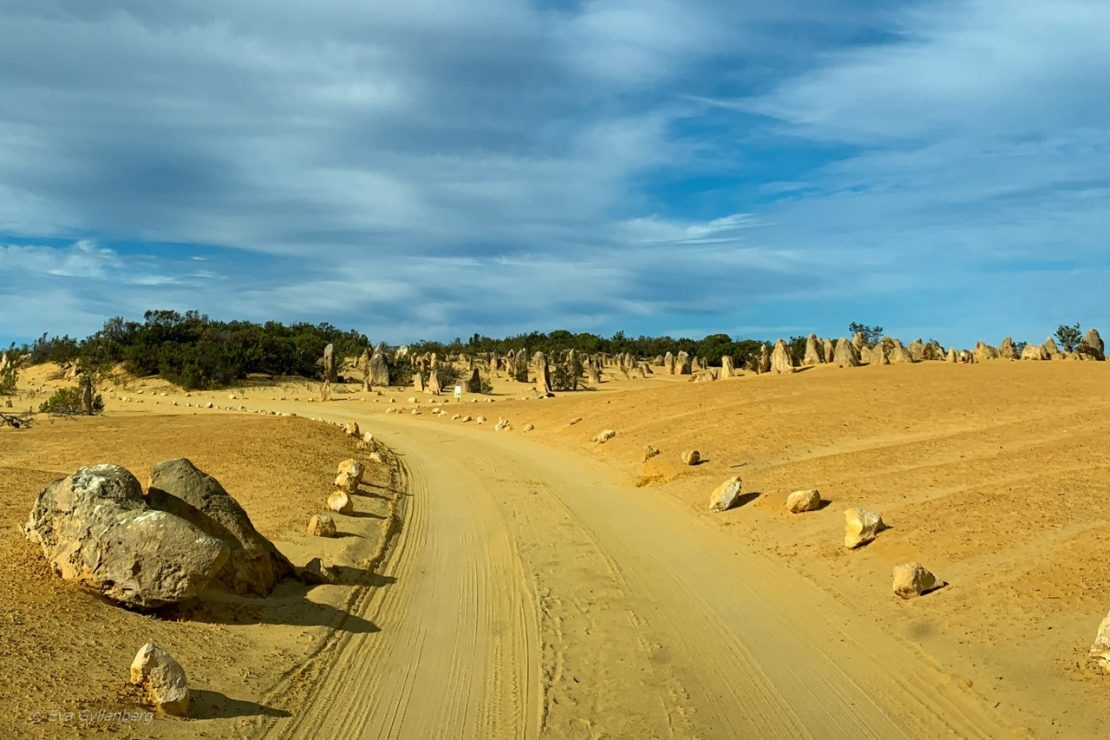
(912, 579)
(322, 525)
(860, 527)
(726, 495)
(163, 678)
(801, 501)
(340, 502)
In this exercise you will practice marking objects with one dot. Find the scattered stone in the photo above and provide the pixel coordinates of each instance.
(726, 495)
(322, 525)
(208, 405)
(347, 482)
(574, 421)
(691, 457)
(340, 502)
(351, 429)
(802, 501)
(480, 420)
(352, 467)
(255, 566)
(163, 678)
(95, 528)
(502, 424)
(649, 452)
(860, 527)
(912, 579)
(527, 428)
(605, 435)
(315, 573)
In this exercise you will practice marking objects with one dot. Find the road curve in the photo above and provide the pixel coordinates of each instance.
(535, 594)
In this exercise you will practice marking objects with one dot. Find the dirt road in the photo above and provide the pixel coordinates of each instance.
(532, 593)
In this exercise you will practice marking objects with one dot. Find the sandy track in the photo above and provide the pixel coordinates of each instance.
(535, 594)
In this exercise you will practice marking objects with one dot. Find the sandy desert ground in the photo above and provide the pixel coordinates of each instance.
(544, 584)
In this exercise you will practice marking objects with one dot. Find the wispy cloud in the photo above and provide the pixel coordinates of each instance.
(421, 169)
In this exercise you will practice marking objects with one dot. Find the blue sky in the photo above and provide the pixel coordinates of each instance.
(428, 170)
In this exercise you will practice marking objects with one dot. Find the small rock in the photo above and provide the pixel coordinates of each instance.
(649, 452)
(367, 437)
(163, 678)
(315, 573)
(322, 525)
(860, 527)
(340, 502)
(351, 467)
(691, 457)
(801, 501)
(725, 496)
(912, 579)
(605, 435)
(346, 482)
(375, 457)
(351, 429)
(527, 428)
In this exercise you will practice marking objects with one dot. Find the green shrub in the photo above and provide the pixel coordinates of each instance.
(73, 401)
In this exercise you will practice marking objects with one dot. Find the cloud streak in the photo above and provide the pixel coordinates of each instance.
(421, 170)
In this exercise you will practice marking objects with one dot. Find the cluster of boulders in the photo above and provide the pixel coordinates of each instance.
(97, 528)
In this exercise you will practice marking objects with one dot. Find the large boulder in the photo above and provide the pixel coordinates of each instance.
(726, 495)
(255, 566)
(781, 361)
(1034, 352)
(95, 528)
(727, 367)
(1051, 350)
(1006, 350)
(1092, 342)
(860, 527)
(813, 353)
(899, 354)
(828, 351)
(543, 374)
(917, 351)
(912, 579)
(763, 364)
(379, 367)
(668, 363)
(682, 364)
(845, 354)
(164, 679)
(984, 352)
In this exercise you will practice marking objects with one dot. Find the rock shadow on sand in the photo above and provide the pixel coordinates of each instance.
(288, 604)
(205, 704)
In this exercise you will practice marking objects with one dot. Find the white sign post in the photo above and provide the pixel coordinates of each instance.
(458, 392)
